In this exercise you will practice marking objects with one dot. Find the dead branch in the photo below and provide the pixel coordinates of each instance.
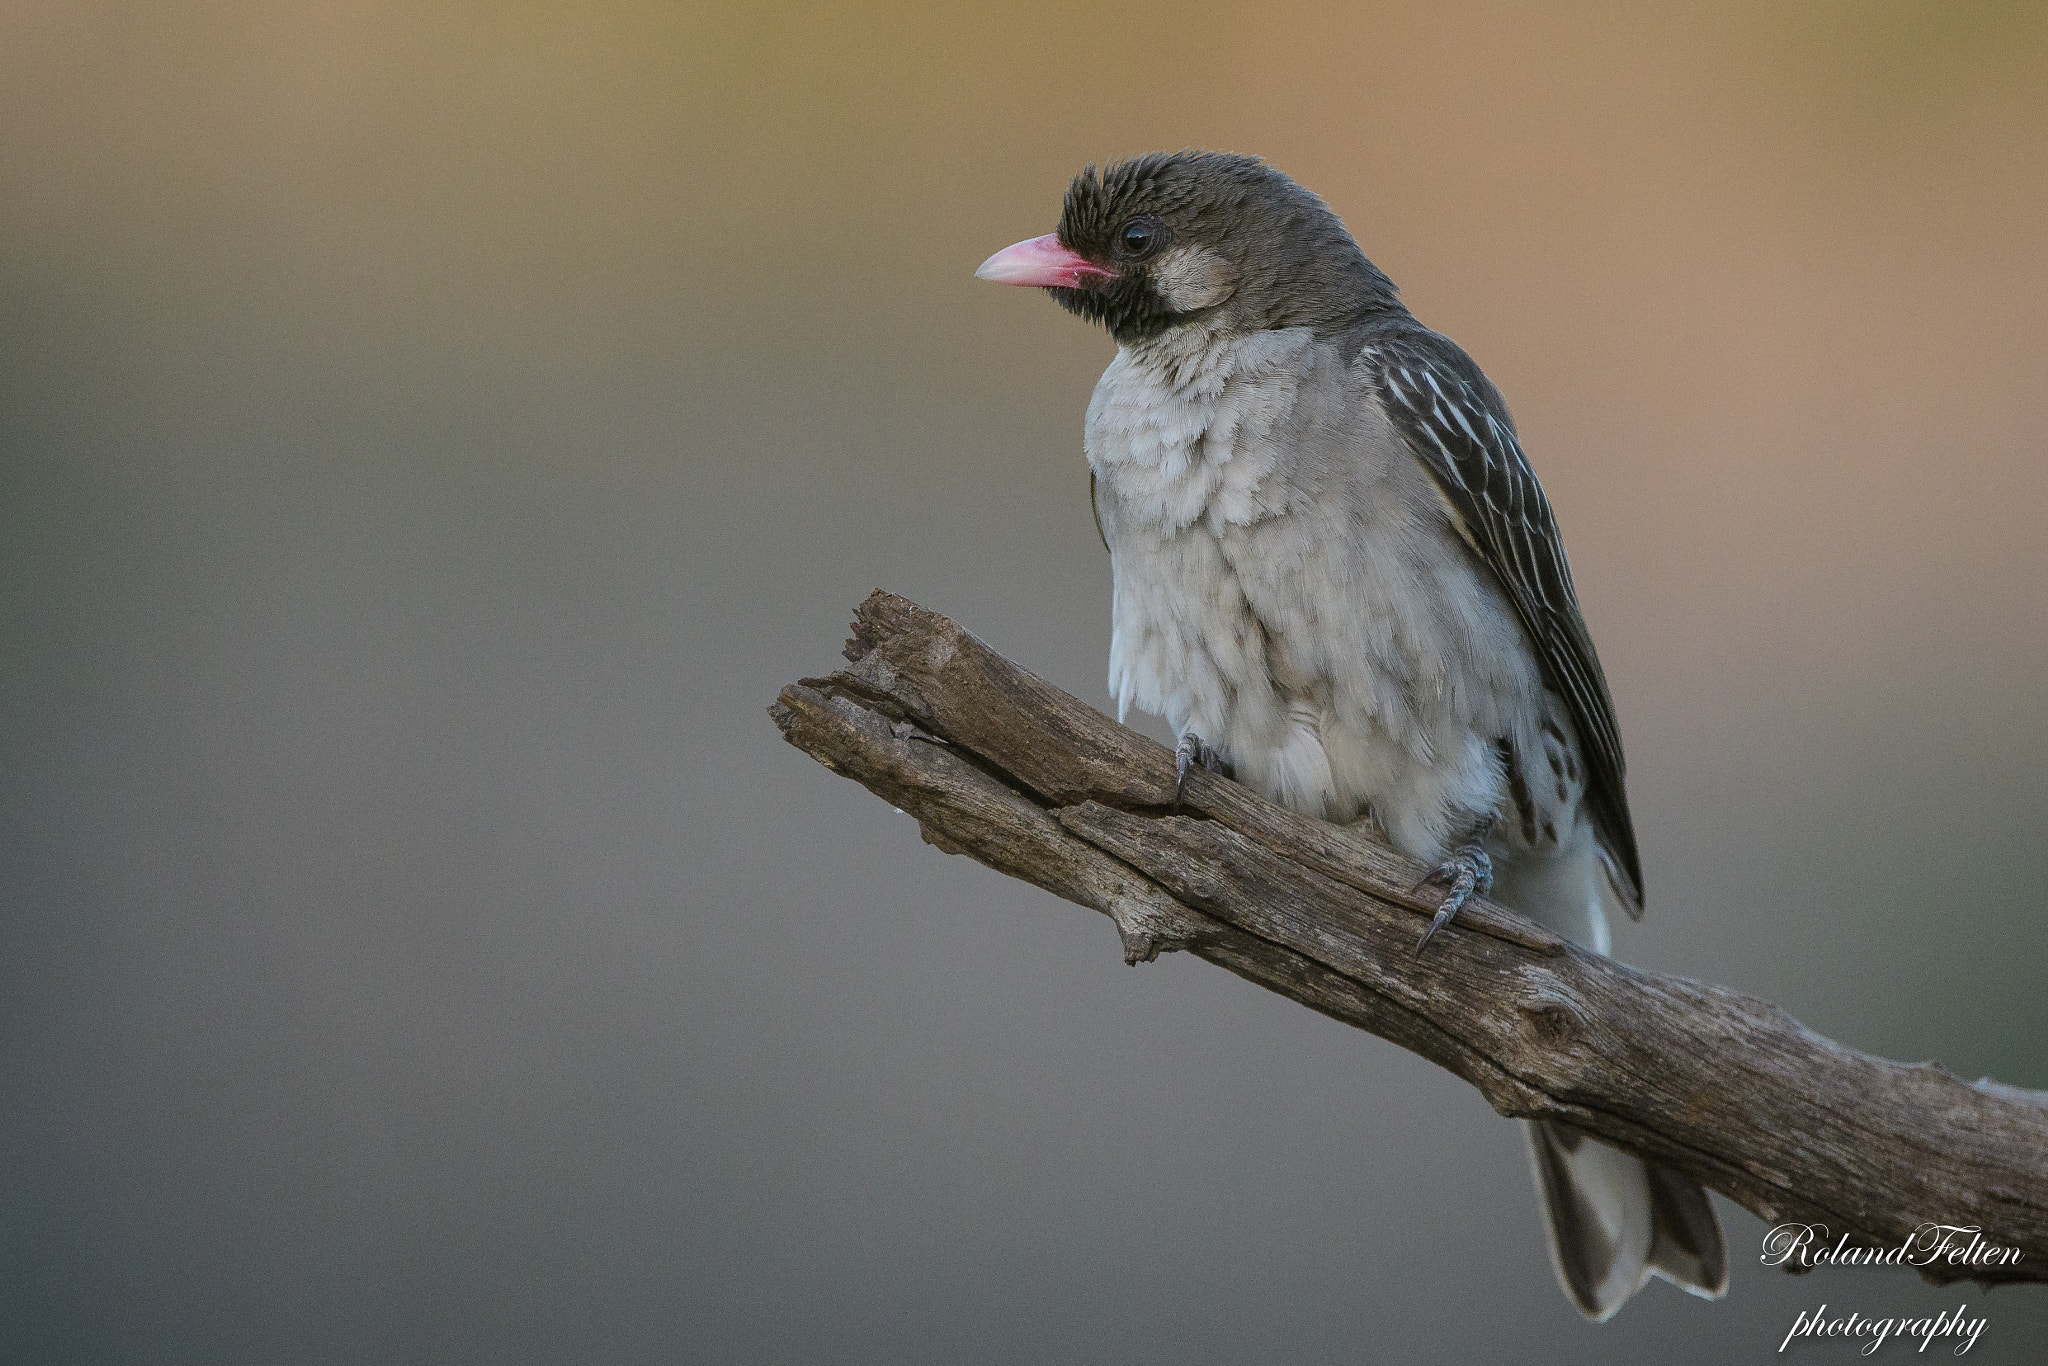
(996, 764)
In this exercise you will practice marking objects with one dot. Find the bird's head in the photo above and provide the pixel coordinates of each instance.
(1174, 238)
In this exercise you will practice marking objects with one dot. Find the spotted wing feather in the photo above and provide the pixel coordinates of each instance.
(1457, 424)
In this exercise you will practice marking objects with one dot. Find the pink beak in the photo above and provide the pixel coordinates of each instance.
(1041, 261)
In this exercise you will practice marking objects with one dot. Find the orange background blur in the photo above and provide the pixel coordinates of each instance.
(432, 432)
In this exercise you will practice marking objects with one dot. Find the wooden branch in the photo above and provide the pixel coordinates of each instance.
(999, 765)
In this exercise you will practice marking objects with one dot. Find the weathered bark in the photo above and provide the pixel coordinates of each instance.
(999, 765)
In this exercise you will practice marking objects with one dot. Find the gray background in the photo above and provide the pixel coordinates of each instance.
(433, 433)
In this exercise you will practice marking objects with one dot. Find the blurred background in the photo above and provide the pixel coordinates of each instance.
(433, 432)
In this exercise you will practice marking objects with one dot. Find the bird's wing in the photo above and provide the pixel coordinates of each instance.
(1095, 507)
(1457, 424)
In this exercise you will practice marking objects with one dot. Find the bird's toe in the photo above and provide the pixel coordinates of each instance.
(1465, 873)
(1193, 750)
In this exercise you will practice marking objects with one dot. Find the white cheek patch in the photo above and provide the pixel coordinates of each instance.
(1192, 277)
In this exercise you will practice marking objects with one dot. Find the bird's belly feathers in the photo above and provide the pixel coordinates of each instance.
(1335, 706)
(1290, 592)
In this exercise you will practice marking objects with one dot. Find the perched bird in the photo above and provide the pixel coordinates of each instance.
(1336, 576)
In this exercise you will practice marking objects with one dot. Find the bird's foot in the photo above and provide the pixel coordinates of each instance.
(1192, 749)
(1468, 871)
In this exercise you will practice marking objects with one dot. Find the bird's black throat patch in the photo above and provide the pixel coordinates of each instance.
(1127, 305)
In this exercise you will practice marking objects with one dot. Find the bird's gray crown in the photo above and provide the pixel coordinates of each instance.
(1212, 237)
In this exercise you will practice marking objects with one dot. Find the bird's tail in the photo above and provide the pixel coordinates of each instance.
(1616, 1220)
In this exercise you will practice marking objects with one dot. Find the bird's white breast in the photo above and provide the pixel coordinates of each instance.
(1281, 587)
(1182, 429)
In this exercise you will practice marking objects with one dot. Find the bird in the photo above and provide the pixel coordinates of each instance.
(1336, 578)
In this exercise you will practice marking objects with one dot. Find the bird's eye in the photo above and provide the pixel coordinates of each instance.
(1139, 236)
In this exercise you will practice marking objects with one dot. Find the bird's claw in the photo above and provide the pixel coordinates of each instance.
(1468, 871)
(1192, 749)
